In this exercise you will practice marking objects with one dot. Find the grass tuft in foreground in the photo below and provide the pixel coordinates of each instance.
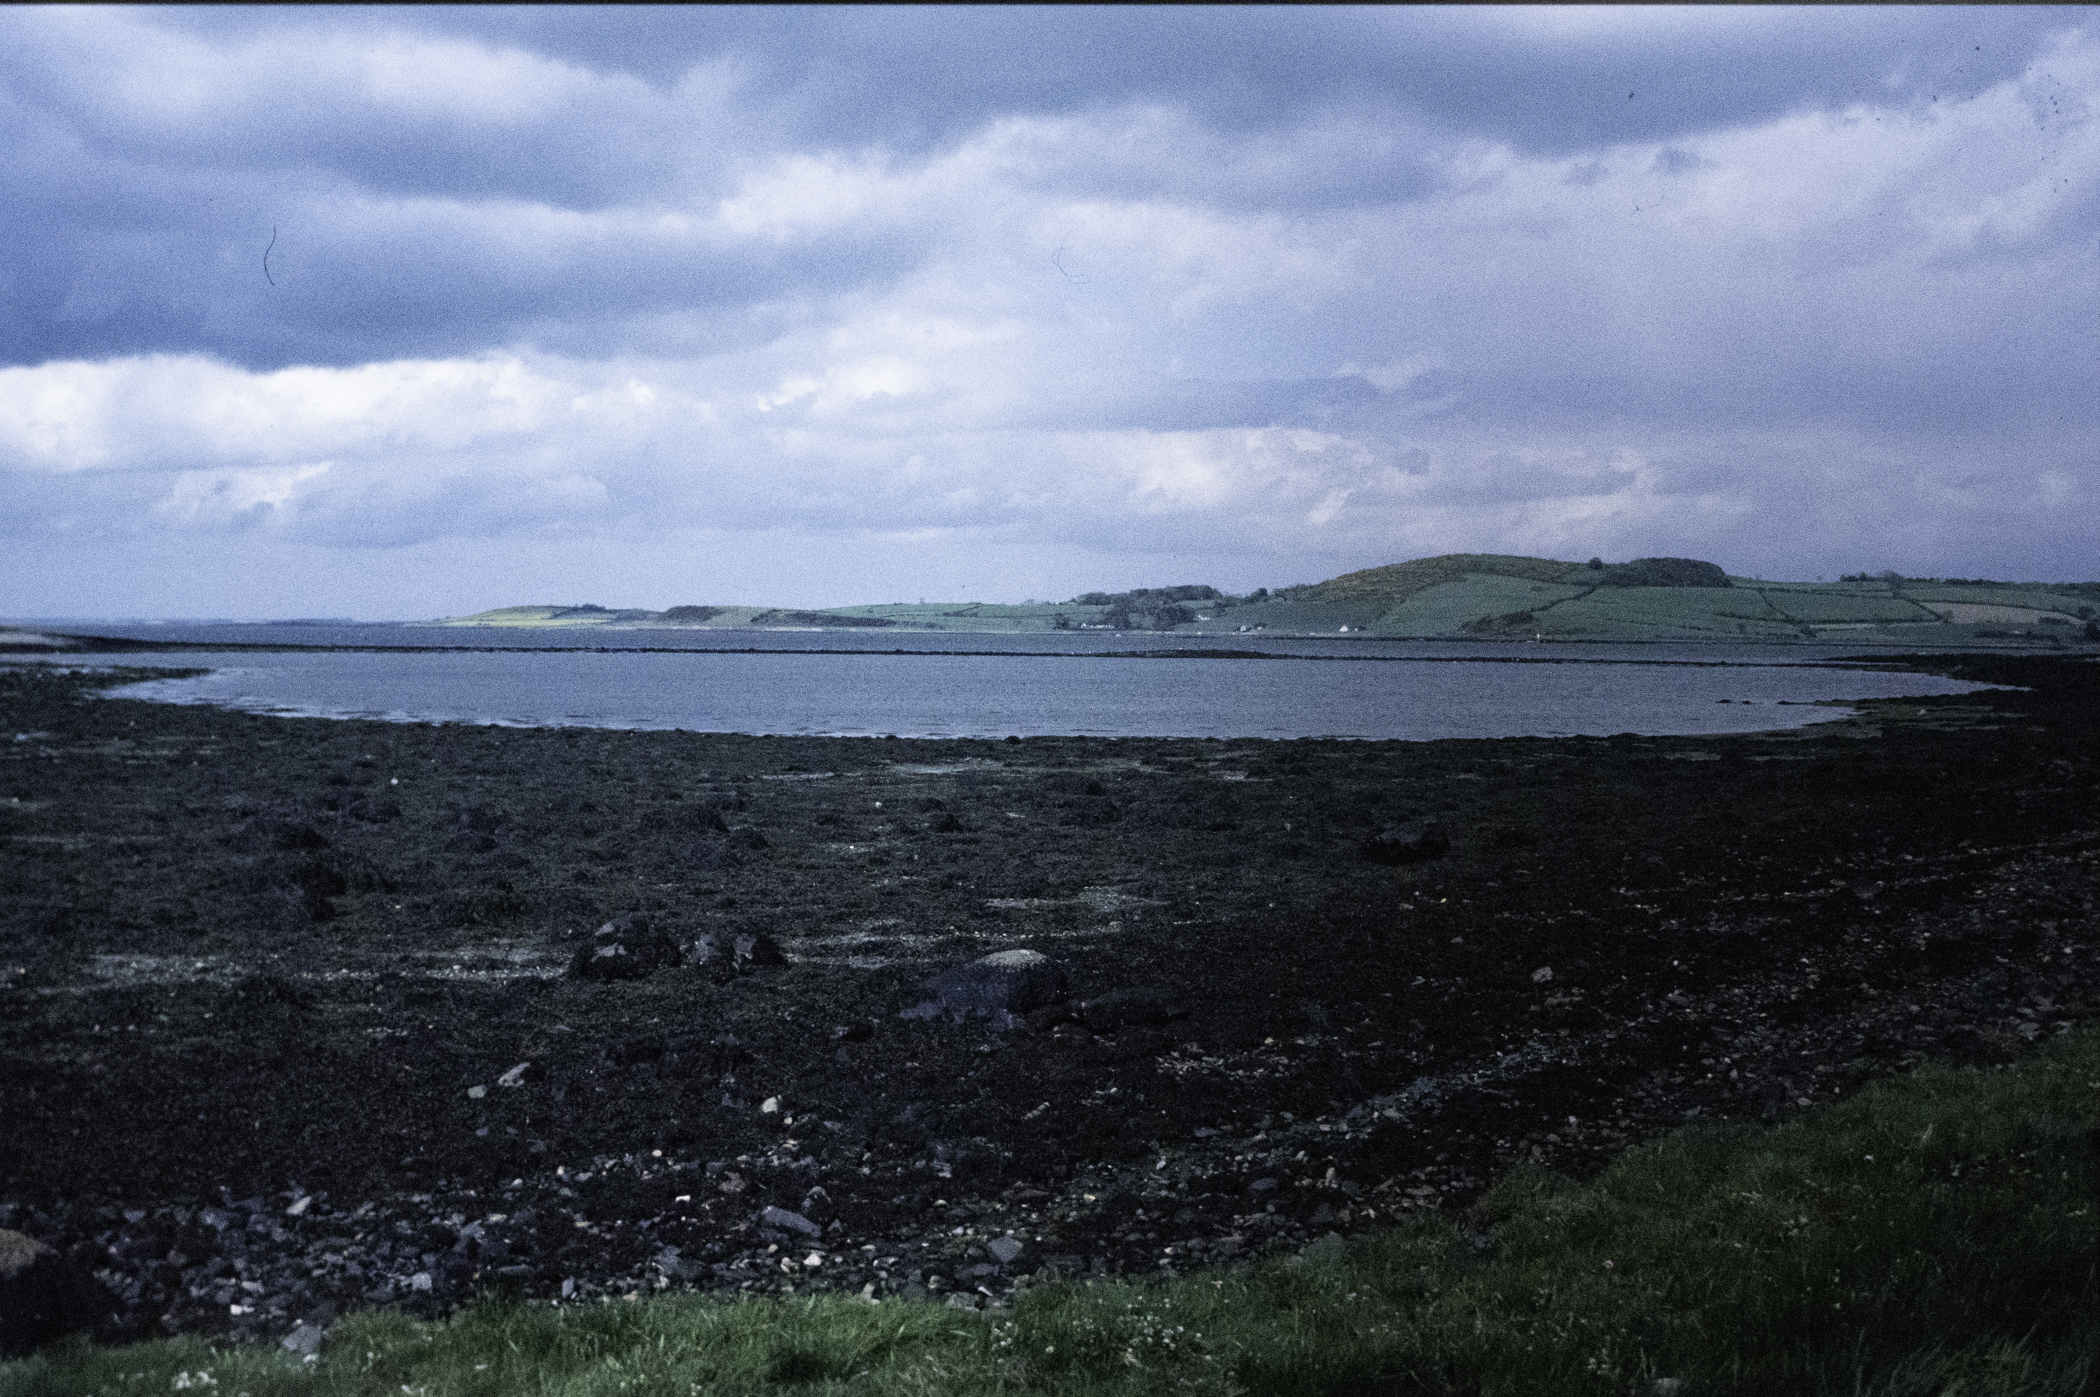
(1934, 1235)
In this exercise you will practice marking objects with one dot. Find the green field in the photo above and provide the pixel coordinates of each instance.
(1463, 595)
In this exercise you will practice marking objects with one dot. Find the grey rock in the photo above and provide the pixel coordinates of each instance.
(786, 1221)
(1003, 1249)
(305, 1339)
(44, 1297)
(680, 1267)
(625, 948)
(1005, 982)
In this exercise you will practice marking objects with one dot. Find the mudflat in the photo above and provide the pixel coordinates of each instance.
(291, 1019)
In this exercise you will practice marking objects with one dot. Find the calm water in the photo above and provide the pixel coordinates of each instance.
(928, 685)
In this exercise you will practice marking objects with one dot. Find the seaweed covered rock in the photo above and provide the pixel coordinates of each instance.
(625, 948)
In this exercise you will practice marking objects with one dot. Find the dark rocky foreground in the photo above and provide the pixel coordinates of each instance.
(287, 1023)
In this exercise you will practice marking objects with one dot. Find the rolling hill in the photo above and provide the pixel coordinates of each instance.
(1463, 596)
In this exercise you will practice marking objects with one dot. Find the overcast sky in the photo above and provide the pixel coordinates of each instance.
(396, 313)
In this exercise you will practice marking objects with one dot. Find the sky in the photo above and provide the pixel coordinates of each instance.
(394, 313)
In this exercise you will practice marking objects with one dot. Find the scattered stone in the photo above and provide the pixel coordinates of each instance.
(1003, 1249)
(735, 953)
(43, 1297)
(625, 948)
(515, 1077)
(785, 1221)
(1541, 975)
(1407, 843)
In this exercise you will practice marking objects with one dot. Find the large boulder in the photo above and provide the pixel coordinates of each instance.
(625, 948)
(1000, 985)
(43, 1297)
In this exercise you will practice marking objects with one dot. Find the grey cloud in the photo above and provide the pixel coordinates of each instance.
(1190, 405)
(1097, 280)
(1547, 80)
(1165, 153)
(1505, 478)
(349, 282)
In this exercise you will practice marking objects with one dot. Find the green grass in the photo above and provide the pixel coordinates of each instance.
(1935, 1234)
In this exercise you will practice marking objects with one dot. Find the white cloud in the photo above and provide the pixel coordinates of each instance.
(234, 494)
(1119, 329)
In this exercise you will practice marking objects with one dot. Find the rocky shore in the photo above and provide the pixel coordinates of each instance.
(301, 1016)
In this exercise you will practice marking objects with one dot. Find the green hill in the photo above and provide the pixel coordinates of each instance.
(1460, 596)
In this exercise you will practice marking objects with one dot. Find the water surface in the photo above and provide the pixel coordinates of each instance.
(824, 684)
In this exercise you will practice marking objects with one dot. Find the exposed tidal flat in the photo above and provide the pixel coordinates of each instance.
(289, 1031)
